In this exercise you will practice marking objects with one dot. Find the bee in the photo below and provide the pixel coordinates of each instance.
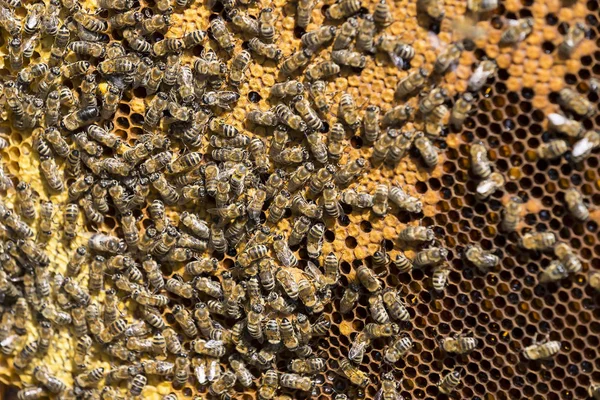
(272, 332)
(259, 154)
(299, 230)
(223, 383)
(396, 116)
(195, 225)
(354, 375)
(172, 340)
(561, 124)
(81, 186)
(449, 382)
(432, 100)
(377, 309)
(537, 241)
(461, 110)
(490, 185)
(482, 6)
(349, 171)
(380, 200)
(15, 53)
(552, 149)
(222, 35)
(314, 241)
(9, 22)
(167, 191)
(484, 71)
(31, 72)
(220, 99)
(79, 294)
(92, 316)
(448, 58)
(512, 214)
(193, 39)
(116, 66)
(155, 112)
(106, 243)
(69, 71)
(331, 204)
(322, 70)
(343, 9)
(125, 19)
(349, 58)
(287, 117)
(554, 272)
(431, 256)
(303, 13)
(25, 356)
(184, 163)
(50, 382)
(368, 278)
(309, 209)
(366, 32)
(50, 172)
(296, 61)
(459, 344)
(25, 200)
(432, 9)
(31, 24)
(184, 319)
(568, 258)
(542, 350)
(416, 233)
(397, 349)
(266, 50)
(165, 46)
(355, 199)
(440, 278)
(79, 118)
(348, 112)
(576, 205)
(31, 393)
(298, 382)
(138, 383)
(239, 64)
(394, 305)
(244, 22)
(314, 39)
(89, 378)
(517, 31)
(584, 147)
(59, 145)
(382, 14)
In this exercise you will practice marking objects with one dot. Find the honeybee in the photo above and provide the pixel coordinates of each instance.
(584, 147)
(368, 278)
(397, 349)
(298, 382)
(244, 22)
(31, 393)
(266, 50)
(287, 282)
(573, 38)
(9, 21)
(484, 260)
(50, 172)
(349, 171)
(461, 110)
(426, 149)
(542, 350)
(296, 61)
(50, 382)
(396, 116)
(354, 375)
(116, 66)
(490, 185)
(561, 124)
(431, 256)
(394, 305)
(512, 214)
(537, 241)
(449, 382)
(343, 9)
(239, 64)
(221, 99)
(568, 258)
(138, 383)
(576, 205)
(552, 149)
(440, 278)
(355, 199)
(554, 272)
(517, 31)
(322, 70)
(223, 383)
(459, 344)
(482, 73)
(268, 385)
(317, 38)
(222, 35)
(380, 200)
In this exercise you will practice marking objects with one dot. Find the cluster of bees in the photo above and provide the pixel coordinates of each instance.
(232, 325)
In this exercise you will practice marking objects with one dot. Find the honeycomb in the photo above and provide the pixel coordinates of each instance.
(506, 309)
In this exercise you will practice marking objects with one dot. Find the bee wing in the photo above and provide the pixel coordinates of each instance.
(434, 41)
(356, 349)
(200, 372)
(313, 271)
(378, 395)
(213, 344)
